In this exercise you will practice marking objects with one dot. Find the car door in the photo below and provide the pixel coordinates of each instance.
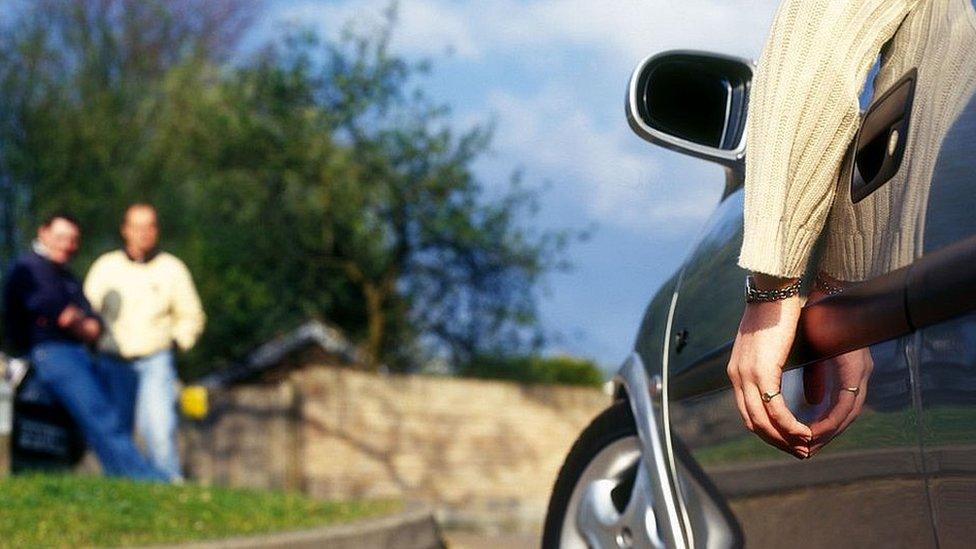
(946, 353)
(911, 443)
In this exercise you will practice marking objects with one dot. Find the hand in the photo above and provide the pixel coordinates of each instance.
(843, 372)
(74, 320)
(761, 347)
(70, 315)
(846, 371)
(87, 329)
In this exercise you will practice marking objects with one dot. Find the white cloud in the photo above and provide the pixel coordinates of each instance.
(556, 123)
(622, 29)
(425, 28)
(612, 176)
(630, 28)
(552, 73)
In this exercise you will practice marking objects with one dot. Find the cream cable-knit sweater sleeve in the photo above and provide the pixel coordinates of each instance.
(886, 230)
(803, 113)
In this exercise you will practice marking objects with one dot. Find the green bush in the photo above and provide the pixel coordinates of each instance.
(535, 369)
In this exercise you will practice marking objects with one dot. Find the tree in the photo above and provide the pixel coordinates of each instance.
(311, 179)
(429, 254)
(78, 81)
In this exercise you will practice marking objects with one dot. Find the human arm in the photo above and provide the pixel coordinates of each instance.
(188, 315)
(804, 112)
(95, 284)
(82, 324)
(79, 318)
(37, 294)
(763, 342)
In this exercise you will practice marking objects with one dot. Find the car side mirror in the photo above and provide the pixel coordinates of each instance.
(692, 102)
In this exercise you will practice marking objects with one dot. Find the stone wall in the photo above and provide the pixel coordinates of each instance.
(480, 452)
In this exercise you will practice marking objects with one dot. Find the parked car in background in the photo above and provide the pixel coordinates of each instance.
(669, 463)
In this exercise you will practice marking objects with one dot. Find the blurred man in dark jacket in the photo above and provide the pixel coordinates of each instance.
(47, 317)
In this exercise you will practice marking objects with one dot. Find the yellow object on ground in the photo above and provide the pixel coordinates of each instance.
(193, 401)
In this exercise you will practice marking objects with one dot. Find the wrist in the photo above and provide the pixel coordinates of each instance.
(780, 290)
(828, 285)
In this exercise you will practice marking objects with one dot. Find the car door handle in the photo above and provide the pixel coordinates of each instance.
(880, 143)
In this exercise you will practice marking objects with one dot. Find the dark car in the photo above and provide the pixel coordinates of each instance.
(669, 463)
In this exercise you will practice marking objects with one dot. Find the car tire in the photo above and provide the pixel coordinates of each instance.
(609, 448)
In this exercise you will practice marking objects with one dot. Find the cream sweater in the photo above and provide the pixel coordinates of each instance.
(803, 113)
(886, 230)
(146, 306)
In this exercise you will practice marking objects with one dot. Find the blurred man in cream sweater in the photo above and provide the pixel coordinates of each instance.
(149, 305)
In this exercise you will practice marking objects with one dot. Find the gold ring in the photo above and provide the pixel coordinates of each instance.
(854, 390)
(767, 396)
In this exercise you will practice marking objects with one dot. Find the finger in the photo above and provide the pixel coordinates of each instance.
(838, 417)
(841, 405)
(779, 414)
(762, 425)
(853, 370)
(740, 404)
(855, 412)
(786, 423)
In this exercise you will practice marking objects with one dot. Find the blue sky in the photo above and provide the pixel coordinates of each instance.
(552, 74)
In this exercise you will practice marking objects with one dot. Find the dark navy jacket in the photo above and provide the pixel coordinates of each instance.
(35, 292)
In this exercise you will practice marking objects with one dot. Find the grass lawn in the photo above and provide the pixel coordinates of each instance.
(64, 510)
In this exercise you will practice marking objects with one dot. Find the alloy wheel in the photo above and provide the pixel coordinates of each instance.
(612, 504)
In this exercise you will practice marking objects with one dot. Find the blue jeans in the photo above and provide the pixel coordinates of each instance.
(144, 391)
(121, 383)
(68, 372)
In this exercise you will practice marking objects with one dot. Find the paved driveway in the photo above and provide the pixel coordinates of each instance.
(460, 539)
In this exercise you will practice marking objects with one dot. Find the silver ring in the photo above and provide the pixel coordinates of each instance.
(853, 390)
